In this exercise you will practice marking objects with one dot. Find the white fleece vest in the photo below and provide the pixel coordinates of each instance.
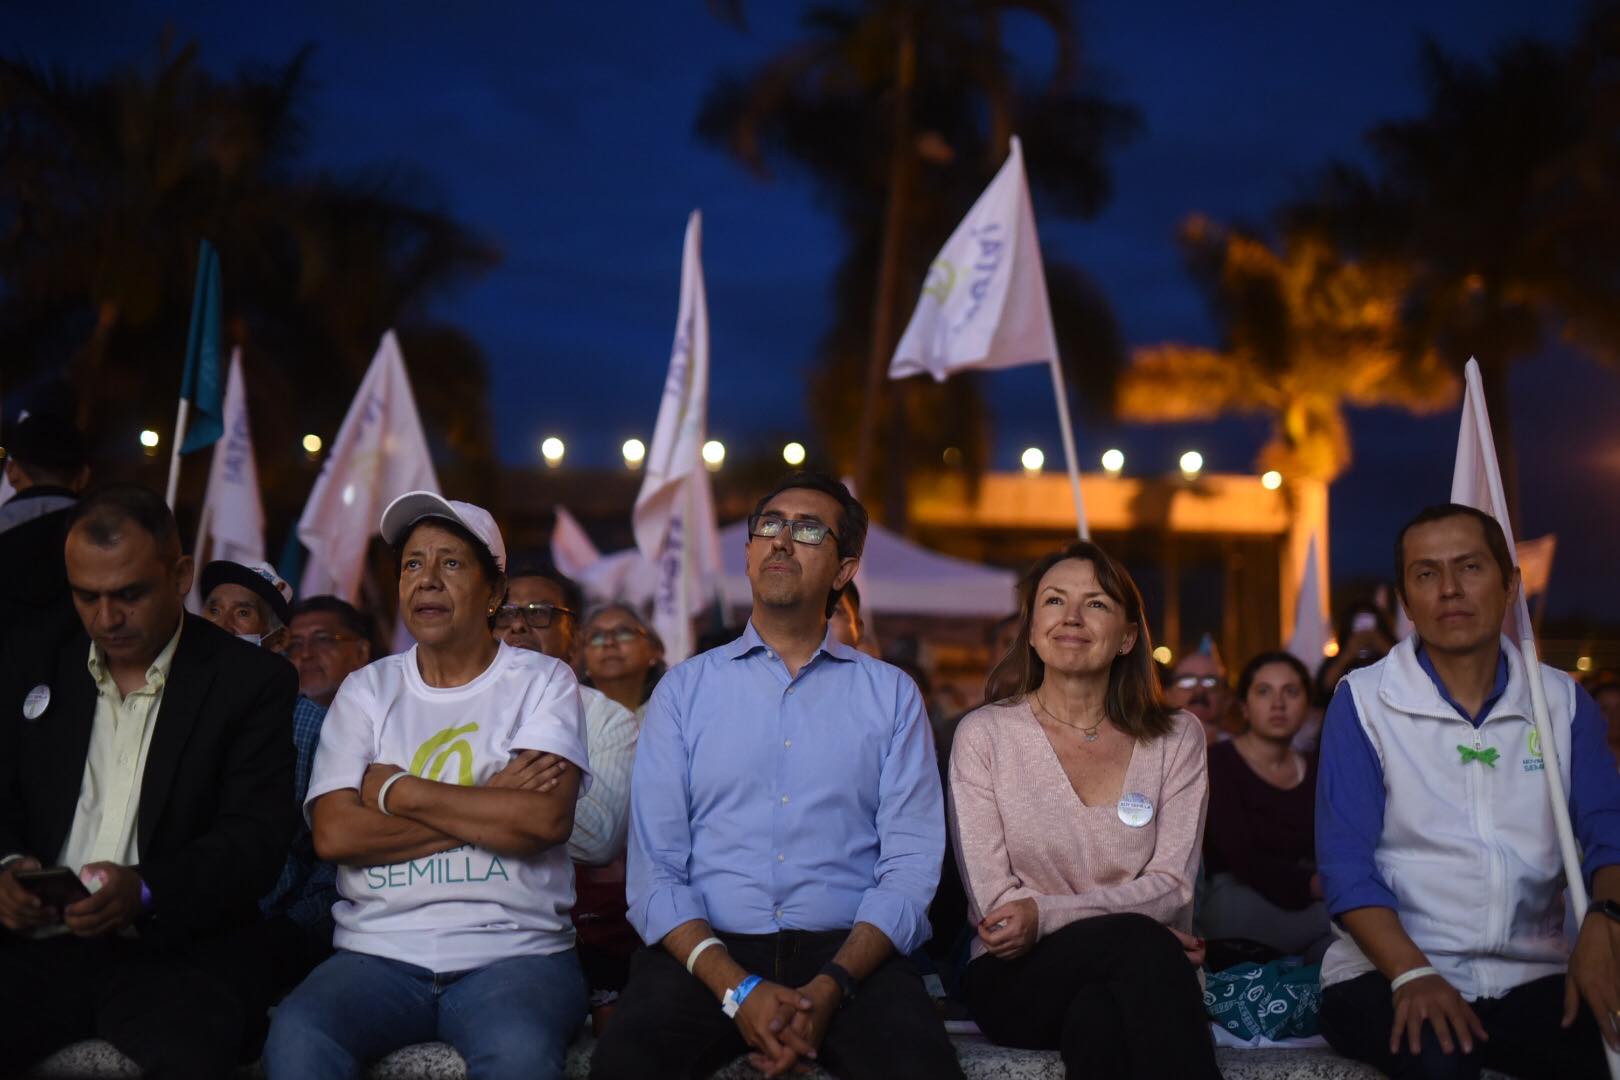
(1469, 850)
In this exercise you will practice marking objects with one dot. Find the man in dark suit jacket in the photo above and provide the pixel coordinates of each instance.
(47, 467)
(151, 754)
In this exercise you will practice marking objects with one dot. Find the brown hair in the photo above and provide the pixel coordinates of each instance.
(1134, 702)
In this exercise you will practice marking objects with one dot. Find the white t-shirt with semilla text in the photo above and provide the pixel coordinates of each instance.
(467, 907)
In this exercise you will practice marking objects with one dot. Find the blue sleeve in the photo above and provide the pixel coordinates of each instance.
(1594, 787)
(1349, 812)
(911, 829)
(658, 888)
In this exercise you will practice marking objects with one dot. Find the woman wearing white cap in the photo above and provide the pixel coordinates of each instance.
(444, 787)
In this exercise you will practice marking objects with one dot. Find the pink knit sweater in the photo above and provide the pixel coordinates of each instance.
(1021, 831)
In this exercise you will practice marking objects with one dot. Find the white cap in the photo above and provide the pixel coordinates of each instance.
(413, 506)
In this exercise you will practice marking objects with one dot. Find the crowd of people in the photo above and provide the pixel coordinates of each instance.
(247, 833)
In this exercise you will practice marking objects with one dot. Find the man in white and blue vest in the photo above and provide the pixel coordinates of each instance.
(1436, 844)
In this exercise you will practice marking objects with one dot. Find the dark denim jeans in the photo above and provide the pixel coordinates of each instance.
(513, 1018)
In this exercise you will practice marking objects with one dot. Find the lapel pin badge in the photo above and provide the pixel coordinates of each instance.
(36, 702)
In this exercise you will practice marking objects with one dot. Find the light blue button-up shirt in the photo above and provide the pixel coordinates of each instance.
(762, 802)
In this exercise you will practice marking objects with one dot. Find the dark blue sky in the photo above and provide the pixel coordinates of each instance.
(563, 133)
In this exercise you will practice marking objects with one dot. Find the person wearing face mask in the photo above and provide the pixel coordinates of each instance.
(1260, 843)
(1077, 805)
(1198, 685)
(542, 613)
(432, 792)
(623, 657)
(251, 602)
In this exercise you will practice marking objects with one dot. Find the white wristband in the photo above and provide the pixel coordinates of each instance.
(382, 792)
(697, 950)
(1410, 976)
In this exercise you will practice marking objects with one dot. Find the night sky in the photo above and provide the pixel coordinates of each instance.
(563, 133)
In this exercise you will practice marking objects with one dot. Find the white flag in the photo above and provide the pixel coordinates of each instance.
(984, 302)
(232, 522)
(1476, 481)
(572, 552)
(674, 515)
(1311, 630)
(380, 452)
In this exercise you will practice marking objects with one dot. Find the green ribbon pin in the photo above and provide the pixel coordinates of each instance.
(1488, 755)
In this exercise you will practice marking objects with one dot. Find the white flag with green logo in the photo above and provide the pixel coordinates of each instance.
(984, 302)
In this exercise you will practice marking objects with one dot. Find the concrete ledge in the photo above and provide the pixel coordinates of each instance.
(97, 1060)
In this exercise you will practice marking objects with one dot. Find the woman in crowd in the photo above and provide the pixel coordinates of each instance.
(622, 656)
(432, 789)
(1260, 843)
(1076, 808)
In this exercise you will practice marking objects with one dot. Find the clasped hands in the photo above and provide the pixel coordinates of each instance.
(784, 1025)
(112, 907)
(1010, 930)
(529, 770)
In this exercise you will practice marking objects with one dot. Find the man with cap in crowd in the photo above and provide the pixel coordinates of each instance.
(147, 764)
(274, 955)
(47, 467)
(252, 602)
(1198, 684)
(542, 612)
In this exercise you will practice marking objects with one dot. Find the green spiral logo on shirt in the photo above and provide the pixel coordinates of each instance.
(434, 755)
(1535, 743)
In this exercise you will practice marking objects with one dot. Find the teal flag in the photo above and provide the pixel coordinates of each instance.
(204, 384)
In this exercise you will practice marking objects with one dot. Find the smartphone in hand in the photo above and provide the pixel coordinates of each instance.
(56, 887)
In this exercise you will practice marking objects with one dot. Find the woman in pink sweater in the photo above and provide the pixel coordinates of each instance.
(1077, 808)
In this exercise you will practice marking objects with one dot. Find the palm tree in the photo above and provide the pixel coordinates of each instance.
(901, 110)
(106, 187)
(1496, 205)
(1303, 334)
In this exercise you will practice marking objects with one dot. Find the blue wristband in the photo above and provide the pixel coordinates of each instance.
(745, 988)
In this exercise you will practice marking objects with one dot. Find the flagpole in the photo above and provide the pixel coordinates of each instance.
(180, 419)
(1573, 877)
(1069, 456)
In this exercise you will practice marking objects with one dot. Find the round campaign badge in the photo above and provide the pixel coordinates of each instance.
(1135, 809)
(37, 701)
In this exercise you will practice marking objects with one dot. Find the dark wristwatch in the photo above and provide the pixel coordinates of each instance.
(846, 982)
(1607, 907)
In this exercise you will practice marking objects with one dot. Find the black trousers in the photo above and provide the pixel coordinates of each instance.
(1525, 1037)
(173, 1019)
(1114, 995)
(668, 1024)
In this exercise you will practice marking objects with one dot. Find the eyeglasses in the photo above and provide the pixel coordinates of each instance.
(538, 616)
(319, 640)
(622, 635)
(1191, 682)
(770, 526)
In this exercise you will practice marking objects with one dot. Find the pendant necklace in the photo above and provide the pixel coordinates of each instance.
(1090, 734)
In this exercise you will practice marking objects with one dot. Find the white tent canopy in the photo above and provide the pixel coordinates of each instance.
(898, 577)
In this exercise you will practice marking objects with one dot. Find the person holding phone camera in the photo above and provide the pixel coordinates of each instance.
(143, 804)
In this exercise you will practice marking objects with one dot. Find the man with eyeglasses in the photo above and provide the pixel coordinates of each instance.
(786, 834)
(327, 640)
(541, 613)
(1198, 684)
